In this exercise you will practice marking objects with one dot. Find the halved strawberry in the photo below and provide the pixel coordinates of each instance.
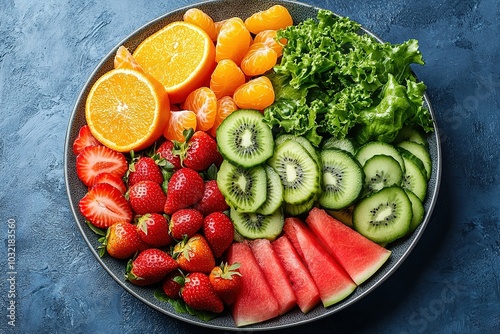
(105, 205)
(94, 160)
(112, 179)
(84, 139)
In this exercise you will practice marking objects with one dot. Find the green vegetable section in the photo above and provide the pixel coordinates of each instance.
(335, 80)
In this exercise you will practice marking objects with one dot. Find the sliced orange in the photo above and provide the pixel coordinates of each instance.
(233, 41)
(126, 110)
(198, 17)
(259, 59)
(273, 18)
(179, 121)
(181, 56)
(269, 37)
(226, 77)
(256, 94)
(203, 103)
(124, 59)
(225, 106)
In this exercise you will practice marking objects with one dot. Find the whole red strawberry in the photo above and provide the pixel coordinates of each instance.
(172, 284)
(105, 205)
(150, 267)
(111, 179)
(185, 188)
(146, 197)
(94, 160)
(166, 152)
(185, 223)
(122, 241)
(218, 229)
(194, 255)
(144, 169)
(153, 229)
(212, 199)
(198, 293)
(84, 139)
(201, 151)
(226, 281)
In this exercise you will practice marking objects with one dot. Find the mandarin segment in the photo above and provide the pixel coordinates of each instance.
(268, 37)
(274, 18)
(226, 77)
(124, 59)
(198, 17)
(256, 94)
(233, 41)
(225, 106)
(259, 59)
(179, 121)
(181, 56)
(203, 103)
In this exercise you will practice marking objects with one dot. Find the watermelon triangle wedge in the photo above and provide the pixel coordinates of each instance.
(333, 282)
(359, 256)
(255, 302)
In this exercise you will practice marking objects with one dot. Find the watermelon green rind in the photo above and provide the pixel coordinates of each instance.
(359, 256)
(333, 282)
(256, 302)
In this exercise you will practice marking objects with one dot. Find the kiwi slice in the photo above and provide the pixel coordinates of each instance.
(244, 139)
(255, 225)
(302, 141)
(384, 216)
(381, 171)
(421, 152)
(244, 189)
(344, 144)
(418, 210)
(299, 173)
(343, 179)
(372, 148)
(274, 197)
(343, 215)
(298, 209)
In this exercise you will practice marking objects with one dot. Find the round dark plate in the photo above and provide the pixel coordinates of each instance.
(219, 10)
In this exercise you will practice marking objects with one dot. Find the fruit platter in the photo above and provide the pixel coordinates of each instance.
(252, 165)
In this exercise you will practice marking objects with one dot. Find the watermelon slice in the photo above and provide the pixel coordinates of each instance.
(302, 283)
(359, 256)
(255, 302)
(275, 274)
(333, 282)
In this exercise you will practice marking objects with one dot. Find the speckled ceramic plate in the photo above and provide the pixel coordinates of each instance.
(76, 190)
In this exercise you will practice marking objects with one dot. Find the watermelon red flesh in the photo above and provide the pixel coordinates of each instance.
(302, 283)
(333, 282)
(275, 274)
(255, 302)
(359, 256)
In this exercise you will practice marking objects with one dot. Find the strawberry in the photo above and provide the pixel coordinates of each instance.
(212, 199)
(94, 160)
(201, 151)
(144, 169)
(194, 254)
(198, 293)
(122, 241)
(172, 284)
(165, 151)
(153, 229)
(146, 197)
(105, 205)
(111, 179)
(84, 139)
(185, 223)
(218, 229)
(185, 188)
(226, 281)
(149, 267)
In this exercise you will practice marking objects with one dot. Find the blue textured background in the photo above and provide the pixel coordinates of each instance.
(449, 284)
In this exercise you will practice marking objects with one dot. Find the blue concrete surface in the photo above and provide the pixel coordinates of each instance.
(449, 284)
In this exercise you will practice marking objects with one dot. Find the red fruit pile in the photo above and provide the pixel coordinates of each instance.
(162, 213)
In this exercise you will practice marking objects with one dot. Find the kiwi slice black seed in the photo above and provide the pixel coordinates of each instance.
(256, 226)
(274, 197)
(384, 216)
(244, 139)
(298, 171)
(244, 188)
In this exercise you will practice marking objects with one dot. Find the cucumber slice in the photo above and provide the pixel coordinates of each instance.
(244, 139)
(244, 189)
(384, 216)
(381, 171)
(343, 179)
(302, 141)
(274, 197)
(257, 226)
(299, 173)
(372, 148)
(421, 152)
(418, 210)
(344, 144)
(414, 176)
(408, 133)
